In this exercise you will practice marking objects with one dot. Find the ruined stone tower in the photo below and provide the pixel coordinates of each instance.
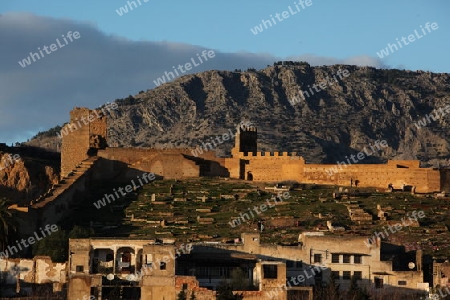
(246, 139)
(82, 137)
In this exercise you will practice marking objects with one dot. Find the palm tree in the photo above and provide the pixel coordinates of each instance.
(7, 223)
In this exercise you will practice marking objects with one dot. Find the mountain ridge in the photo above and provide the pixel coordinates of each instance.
(324, 127)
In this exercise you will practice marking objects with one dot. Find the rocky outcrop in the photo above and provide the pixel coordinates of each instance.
(26, 173)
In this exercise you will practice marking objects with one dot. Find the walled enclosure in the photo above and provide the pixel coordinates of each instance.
(245, 163)
(283, 166)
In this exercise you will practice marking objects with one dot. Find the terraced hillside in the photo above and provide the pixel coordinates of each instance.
(204, 209)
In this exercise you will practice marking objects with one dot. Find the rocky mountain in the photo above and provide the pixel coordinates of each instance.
(27, 172)
(337, 117)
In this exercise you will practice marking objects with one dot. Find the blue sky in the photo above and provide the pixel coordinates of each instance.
(139, 46)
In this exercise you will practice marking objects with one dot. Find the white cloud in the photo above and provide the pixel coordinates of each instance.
(92, 70)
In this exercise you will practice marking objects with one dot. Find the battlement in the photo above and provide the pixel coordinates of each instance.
(270, 154)
(246, 139)
(78, 112)
(245, 126)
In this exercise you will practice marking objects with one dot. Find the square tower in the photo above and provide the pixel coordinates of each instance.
(82, 137)
(246, 139)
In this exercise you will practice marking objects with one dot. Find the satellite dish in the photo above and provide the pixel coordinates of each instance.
(110, 276)
(131, 277)
(411, 265)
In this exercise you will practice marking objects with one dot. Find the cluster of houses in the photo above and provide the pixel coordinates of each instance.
(157, 270)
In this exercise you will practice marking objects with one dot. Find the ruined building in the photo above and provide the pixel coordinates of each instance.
(143, 269)
(245, 163)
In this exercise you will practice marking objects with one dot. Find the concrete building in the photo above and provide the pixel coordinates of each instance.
(140, 268)
(441, 274)
(348, 256)
(38, 276)
(133, 268)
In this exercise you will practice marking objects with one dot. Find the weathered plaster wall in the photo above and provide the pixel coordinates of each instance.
(39, 270)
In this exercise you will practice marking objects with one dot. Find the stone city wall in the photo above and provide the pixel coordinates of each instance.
(283, 167)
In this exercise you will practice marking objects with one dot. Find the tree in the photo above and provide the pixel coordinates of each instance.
(55, 245)
(8, 225)
(329, 292)
(355, 292)
(79, 232)
(193, 296)
(182, 295)
(225, 292)
(240, 282)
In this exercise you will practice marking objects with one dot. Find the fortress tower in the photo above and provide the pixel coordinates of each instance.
(246, 139)
(82, 137)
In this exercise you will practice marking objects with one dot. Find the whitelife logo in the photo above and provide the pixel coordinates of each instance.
(75, 126)
(295, 281)
(10, 160)
(284, 15)
(360, 156)
(124, 9)
(187, 66)
(244, 125)
(411, 38)
(320, 86)
(154, 265)
(147, 177)
(11, 250)
(425, 121)
(397, 227)
(262, 208)
(27, 61)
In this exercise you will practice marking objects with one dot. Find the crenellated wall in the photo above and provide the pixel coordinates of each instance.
(284, 166)
(397, 173)
(376, 175)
